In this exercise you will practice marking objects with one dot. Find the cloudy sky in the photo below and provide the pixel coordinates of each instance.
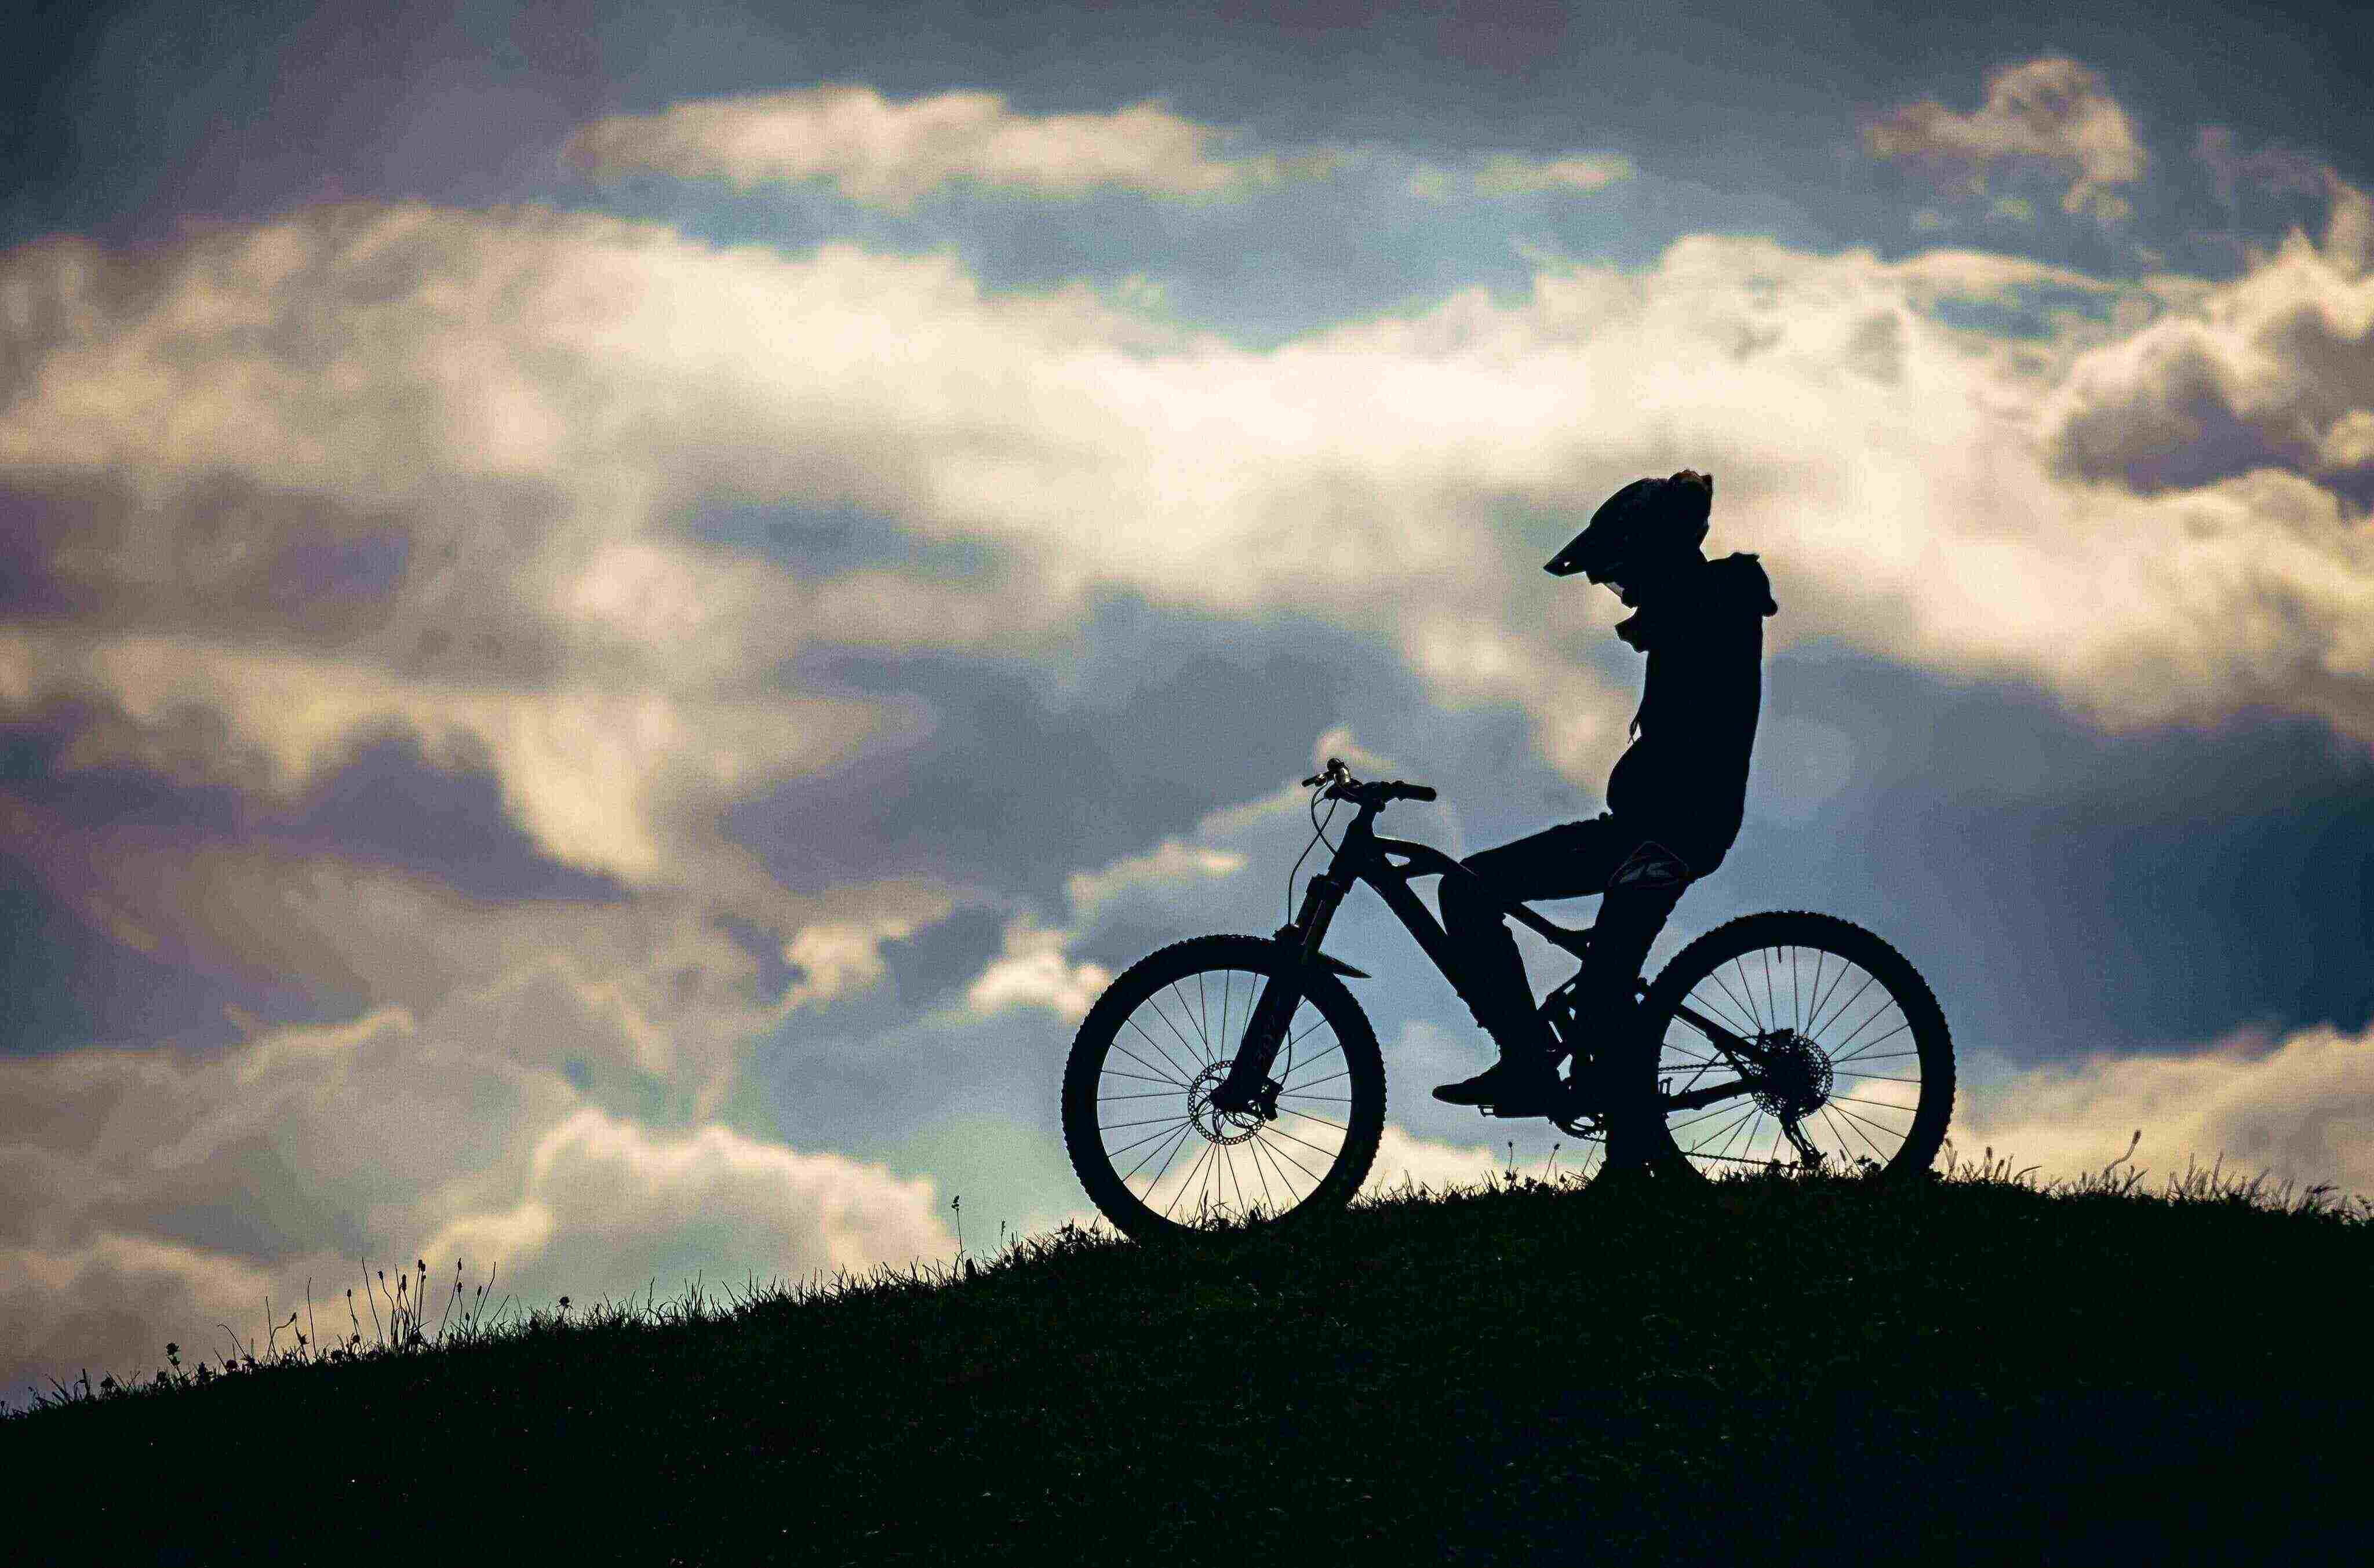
(611, 619)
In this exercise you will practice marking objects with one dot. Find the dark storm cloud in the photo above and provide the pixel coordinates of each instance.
(386, 804)
(285, 566)
(1029, 773)
(817, 543)
(2069, 892)
(418, 591)
(2182, 428)
(71, 981)
(82, 964)
(932, 968)
(2275, 170)
(2192, 416)
(243, 1199)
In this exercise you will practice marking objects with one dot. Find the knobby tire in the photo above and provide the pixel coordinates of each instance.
(1923, 1022)
(1104, 1037)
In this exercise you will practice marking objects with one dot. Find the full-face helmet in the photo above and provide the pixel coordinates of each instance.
(1647, 520)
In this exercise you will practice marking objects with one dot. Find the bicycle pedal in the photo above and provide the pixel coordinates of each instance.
(1560, 1108)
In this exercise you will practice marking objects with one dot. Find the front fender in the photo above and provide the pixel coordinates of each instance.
(1286, 935)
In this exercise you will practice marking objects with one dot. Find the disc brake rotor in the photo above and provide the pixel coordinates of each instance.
(1221, 1127)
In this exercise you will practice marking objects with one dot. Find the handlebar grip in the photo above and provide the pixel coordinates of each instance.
(1417, 791)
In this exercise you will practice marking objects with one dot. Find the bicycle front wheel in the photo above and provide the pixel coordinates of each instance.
(1155, 1156)
(1847, 1064)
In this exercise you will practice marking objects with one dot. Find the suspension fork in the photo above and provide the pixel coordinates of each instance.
(1248, 1085)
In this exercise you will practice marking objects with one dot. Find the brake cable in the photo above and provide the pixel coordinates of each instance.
(1318, 837)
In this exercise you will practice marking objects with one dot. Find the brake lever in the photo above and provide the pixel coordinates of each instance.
(1333, 771)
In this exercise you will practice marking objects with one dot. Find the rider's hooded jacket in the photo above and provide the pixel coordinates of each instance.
(1684, 781)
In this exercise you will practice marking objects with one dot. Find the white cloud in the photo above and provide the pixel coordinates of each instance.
(2048, 108)
(1403, 1158)
(889, 154)
(113, 1305)
(2274, 369)
(1033, 971)
(1885, 463)
(608, 1198)
(1512, 174)
(2302, 1108)
(1168, 865)
(611, 777)
(557, 1118)
(533, 407)
(839, 955)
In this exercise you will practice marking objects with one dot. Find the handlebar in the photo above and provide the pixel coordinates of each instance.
(1342, 786)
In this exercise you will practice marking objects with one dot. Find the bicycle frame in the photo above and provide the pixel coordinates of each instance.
(1365, 855)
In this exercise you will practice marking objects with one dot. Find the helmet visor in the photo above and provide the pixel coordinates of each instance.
(1576, 558)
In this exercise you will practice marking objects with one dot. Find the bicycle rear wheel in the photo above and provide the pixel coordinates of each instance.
(1153, 1154)
(1854, 1065)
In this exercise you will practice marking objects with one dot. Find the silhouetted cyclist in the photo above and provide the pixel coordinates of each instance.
(1674, 801)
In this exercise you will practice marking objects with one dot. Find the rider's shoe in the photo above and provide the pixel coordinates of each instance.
(1519, 1084)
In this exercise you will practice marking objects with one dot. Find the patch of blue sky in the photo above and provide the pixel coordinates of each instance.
(861, 1081)
(970, 1103)
(1005, 1169)
(2035, 310)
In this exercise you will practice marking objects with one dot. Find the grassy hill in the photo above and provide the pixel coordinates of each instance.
(1973, 1368)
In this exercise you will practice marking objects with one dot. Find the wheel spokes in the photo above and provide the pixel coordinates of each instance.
(1836, 1058)
(1195, 1167)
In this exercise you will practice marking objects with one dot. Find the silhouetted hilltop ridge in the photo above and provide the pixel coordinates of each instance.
(1969, 1368)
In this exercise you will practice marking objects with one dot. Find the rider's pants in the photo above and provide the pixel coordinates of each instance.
(1640, 880)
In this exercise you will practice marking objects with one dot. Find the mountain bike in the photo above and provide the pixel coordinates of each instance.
(1228, 1081)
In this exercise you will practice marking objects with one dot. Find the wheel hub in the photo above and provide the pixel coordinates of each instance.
(1797, 1075)
(1219, 1125)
